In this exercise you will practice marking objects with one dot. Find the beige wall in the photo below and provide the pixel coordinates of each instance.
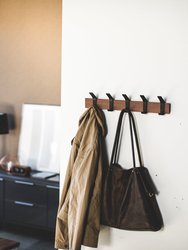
(30, 58)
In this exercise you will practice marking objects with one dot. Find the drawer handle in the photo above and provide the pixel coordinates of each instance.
(1, 179)
(24, 183)
(24, 203)
(53, 187)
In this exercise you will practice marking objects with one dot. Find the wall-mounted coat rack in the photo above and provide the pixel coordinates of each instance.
(143, 106)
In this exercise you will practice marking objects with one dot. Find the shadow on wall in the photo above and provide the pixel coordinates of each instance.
(105, 240)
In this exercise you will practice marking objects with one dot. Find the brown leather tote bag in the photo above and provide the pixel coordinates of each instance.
(129, 200)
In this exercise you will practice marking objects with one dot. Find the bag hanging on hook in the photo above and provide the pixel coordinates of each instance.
(129, 200)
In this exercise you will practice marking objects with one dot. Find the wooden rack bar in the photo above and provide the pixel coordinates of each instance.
(135, 106)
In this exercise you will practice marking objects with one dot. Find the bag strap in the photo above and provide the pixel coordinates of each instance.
(133, 133)
(136, 139)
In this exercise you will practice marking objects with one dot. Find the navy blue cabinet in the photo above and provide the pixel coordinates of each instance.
(29, 201)
(52, 198)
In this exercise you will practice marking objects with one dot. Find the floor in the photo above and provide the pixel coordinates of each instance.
(29, 239)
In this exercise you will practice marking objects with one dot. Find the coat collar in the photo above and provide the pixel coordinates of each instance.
(98, 114)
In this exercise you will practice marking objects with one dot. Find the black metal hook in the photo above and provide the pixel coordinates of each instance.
(111, 102)
(127, 102)
(162, 105)
(145, 104)
(94, 99)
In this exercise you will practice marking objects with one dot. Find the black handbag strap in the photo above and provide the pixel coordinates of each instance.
(133, 133)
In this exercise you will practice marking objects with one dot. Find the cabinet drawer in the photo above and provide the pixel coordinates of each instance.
(25, 191)
(25, 213)
(53, 202)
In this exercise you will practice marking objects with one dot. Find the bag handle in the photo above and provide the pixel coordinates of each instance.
(133, 133)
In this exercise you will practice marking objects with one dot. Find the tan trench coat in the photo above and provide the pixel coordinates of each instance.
(78, 219)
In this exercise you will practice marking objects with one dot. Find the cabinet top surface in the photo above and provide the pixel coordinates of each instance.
(51, 181)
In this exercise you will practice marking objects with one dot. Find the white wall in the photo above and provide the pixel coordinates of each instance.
(133, 47)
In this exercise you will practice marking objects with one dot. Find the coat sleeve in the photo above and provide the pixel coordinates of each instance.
(61, 233)
(92, 229)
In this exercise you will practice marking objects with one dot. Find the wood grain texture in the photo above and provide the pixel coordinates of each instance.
(6, 244)
(135, 106)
